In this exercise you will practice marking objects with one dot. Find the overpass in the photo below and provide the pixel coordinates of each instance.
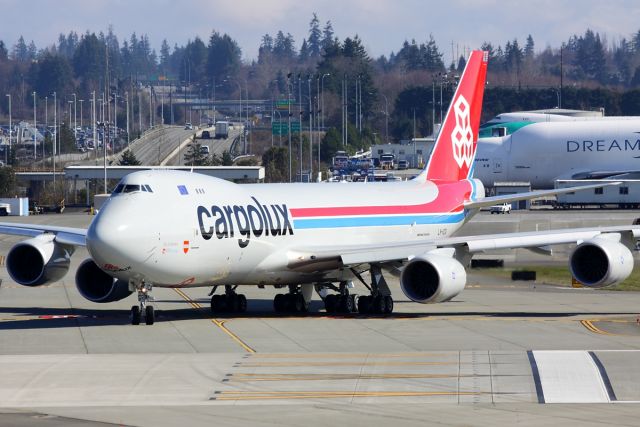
(231, 173)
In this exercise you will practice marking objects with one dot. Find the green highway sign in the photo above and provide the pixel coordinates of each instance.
(281, 128)
(283, 104)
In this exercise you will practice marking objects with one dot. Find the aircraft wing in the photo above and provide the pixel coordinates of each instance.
(64, 235)
(306, 258)
(508, 198)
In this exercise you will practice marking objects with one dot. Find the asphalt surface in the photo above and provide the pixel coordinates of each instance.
(491, 356)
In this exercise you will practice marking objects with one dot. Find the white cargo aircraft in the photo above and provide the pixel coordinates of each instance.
(543, 152)
(175, 229)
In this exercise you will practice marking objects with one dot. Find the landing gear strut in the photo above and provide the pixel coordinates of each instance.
(342, 302)
(296, 301)
(137, 311)
(379, 301)
(230, 302)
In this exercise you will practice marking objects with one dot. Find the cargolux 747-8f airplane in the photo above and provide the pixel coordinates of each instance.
(179, 229)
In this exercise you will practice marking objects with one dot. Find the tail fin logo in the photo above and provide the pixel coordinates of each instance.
(462, 135)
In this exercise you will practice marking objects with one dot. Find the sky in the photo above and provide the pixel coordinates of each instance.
(383, 25)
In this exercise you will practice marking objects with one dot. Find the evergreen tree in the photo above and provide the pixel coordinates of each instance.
(327, 36)
(4, 54)
(89, 58)
(315, 37)
(8, 182)
(128, 158)
(304, 52)
(194, 155)
(276, 164)
(21, 51)
(165, 55)
(283, 46)
(432, 57)
(223, 56)
(529, 47)
(227, 160)
(53, 74)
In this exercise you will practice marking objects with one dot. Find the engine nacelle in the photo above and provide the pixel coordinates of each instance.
(39, 260)
(432, 278)
(97, 286)
(600, 262)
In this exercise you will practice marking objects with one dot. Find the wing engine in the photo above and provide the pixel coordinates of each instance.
(432, 278)
(600, 262)
(39, 260)
(97, 286)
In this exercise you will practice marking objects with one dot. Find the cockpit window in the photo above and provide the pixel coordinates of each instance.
(118, 189)
(130, 188)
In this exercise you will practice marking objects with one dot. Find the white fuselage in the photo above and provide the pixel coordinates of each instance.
(540, 153)
(194, 230)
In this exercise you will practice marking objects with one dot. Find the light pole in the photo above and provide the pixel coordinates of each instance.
(75, 118)
(310, 129)
(322, 97)
(386, 115)
(229, 79)
(55, 135)
(289, 124)
(81, 108)
(46, 121)
(128, 139)
(6, 158)
(35, 129)
(93, 123)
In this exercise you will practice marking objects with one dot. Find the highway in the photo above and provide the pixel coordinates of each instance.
(216, 146)
(465, 362)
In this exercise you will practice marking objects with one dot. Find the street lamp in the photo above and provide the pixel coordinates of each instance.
(230, 79)
(10, 130)
(81, 108)
(35, 129)
(386, 114)
(75, 118)
(322, 96)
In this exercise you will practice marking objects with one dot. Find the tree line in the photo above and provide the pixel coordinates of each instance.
(402, 88)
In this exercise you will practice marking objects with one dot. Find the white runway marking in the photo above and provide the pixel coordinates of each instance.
(570, 377)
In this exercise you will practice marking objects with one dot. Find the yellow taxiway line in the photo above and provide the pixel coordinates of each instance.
(218, 323)
(242, 395)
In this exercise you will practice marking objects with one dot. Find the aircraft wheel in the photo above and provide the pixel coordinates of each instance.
(331, 303)
(135, 315)
(364, 304)
(149, 315)
(379, 304)
(280, 303)
(242, 303)
(388, 302)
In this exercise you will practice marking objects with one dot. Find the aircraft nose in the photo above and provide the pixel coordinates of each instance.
(111, 240)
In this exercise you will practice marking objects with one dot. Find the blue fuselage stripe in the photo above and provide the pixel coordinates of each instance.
(377, 221)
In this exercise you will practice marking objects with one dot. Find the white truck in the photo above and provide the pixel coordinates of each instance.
(222, 130)
(504, 208)
(5, 209)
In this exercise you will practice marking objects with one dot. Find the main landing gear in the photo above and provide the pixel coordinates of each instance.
(138, 311)
(296, 301)
(379, 301)
(230, 302)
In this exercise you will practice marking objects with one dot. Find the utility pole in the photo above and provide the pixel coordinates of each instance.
(55, 135)
(35, 129)
(289, 118)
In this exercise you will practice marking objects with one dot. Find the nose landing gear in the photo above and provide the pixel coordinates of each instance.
(137, 311)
